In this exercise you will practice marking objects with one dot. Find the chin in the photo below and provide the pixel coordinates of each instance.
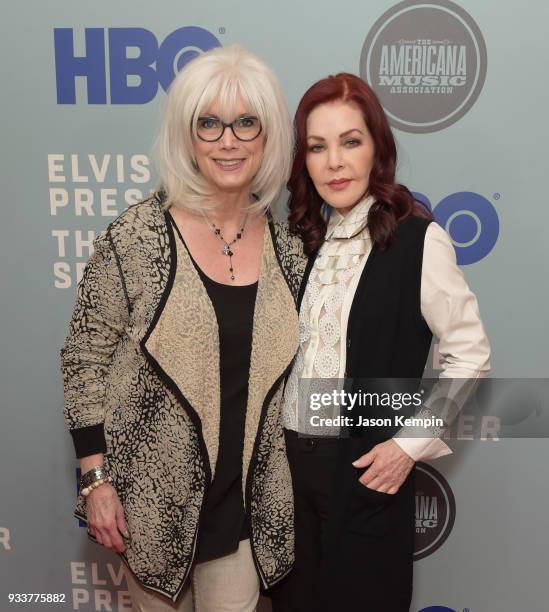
(231, 185)
(233, 181)
(346, 201)
(340, 203)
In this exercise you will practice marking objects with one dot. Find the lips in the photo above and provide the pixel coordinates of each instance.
(229, 164)
(339, 184)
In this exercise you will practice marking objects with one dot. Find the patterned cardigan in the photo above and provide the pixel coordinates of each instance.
(140, 364)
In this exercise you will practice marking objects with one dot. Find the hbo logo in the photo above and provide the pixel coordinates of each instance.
(470, 219)
(147, 64)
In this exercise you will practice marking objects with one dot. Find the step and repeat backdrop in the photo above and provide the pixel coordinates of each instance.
(465, 88)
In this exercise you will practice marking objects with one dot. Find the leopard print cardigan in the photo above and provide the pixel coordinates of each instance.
(142, 359)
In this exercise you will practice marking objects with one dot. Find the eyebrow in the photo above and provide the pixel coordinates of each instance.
(343, 134)
(241, 116)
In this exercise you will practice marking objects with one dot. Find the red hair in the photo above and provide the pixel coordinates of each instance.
(393, 202)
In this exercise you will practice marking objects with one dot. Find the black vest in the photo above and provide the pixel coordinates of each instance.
(388, 340)
(386, 334)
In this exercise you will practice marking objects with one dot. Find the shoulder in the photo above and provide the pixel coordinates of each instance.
(419, 229)
(413, 226)
(290, 254)
(410, 233)
(436, 234)
(285, 239)
(288, 245)
(140, 222)
(145, 214)
(438, 245)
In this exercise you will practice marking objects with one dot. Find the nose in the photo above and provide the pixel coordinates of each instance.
(335, 160)
(228, 140)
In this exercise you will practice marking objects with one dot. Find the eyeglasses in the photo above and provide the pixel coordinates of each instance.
(244, 128)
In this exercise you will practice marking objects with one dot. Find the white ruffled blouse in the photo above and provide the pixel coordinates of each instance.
(447, 304)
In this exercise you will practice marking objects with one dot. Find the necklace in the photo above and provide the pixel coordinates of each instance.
(227, 250)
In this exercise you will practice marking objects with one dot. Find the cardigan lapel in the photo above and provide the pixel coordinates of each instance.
(274, 342)
(184, 342)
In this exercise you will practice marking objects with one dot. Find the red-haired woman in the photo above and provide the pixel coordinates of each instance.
(382, 279)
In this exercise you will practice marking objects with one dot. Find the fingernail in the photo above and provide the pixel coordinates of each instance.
(355, 462)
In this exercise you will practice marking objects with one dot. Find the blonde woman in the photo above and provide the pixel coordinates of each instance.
(184, 328)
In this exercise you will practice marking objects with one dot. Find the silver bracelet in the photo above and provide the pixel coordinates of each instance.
(93, 478)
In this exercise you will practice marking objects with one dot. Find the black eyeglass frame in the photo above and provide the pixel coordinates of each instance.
(226, 125)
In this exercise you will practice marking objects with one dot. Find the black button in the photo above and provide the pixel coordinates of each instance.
(311, 443)
(348, 342)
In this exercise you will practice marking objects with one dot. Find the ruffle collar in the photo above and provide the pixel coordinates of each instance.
(340, 253)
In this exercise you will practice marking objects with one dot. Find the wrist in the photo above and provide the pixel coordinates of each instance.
(93, 478)
(91, 461)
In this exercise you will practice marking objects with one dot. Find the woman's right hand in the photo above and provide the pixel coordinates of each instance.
(106, 520)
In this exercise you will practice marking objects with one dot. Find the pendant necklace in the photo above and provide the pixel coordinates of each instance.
(227, 249)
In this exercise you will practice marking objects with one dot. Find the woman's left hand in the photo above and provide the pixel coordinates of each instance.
(389, 467)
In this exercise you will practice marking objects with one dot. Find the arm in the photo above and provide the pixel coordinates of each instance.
(98, 322)
(451, 311)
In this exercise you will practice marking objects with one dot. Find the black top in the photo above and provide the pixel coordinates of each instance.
(223, 521)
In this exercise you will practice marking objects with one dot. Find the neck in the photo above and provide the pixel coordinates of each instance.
(345, 211)
(229, 206)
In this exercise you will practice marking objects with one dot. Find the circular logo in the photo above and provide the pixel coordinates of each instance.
(437, 609)
(179, 47)
(472, 222)
(470, 219)
(435, 511)
(427, 63)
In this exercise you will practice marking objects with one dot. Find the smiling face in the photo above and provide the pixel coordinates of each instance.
(340, 153)
(228, 164)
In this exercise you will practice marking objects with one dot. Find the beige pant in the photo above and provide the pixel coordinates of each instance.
(227, 584)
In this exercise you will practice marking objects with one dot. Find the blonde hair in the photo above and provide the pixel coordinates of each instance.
(221, 74)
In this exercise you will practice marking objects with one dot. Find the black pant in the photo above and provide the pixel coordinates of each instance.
(358, 558)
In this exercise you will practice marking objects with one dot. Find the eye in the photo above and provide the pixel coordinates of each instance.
(246, 122)
(208, 123)
(316, 148)
(353, 142)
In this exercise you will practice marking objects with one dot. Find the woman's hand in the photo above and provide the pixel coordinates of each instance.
(106, 517)
(389, 467)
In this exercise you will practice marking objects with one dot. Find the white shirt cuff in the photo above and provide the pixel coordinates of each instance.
(423, 449)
